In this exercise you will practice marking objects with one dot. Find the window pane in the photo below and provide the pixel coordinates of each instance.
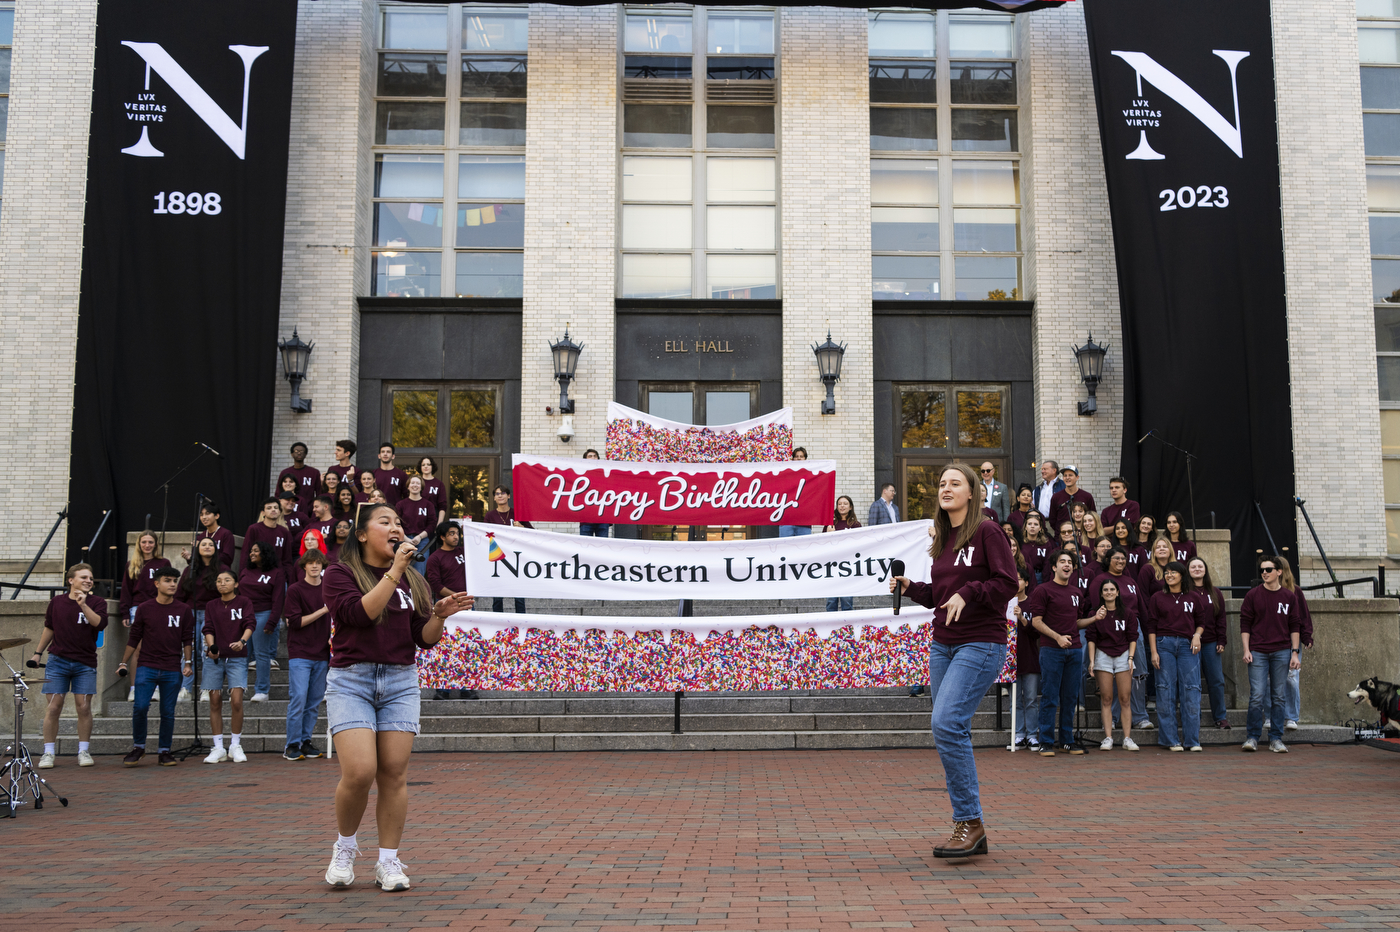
(409, 124)
(1383, 186)
(656, 227)
(1382, 132)
(741, 33)
(403, 226)
(904, 229)
(739, 69)
(415, 419)
(673, 406)
(985, 230)
(1389, 373)
(979, 420)
(1378, 42)
(1385, 234)
(656, 66)
(490, 274)
(1380, 88)
(492, 125)
(904, 35)
(656, 126)
(923, 420)
(1388, 329)
(4, 71)
(742, 277)
(494, 77)
(652, 179)
(656, 277)
(473, 421)
(985, 182)
(651, 33)
(1390, 435)
(469, 490)
(739, 127)
(903, 181)
(408, 176)
(1392, 531)
(902, 82)
(740, 179)
(491, 225)
(921, 491)
(415, 29)
(974, 83)
(402, 74)
(741, 228)
(7, 27)
(984, 130)
(979, 37)
(904, 278)
(903, 129)
(726, 407)
(1385, 280)
(1378, 8)
(407, 274)
(491, 176)
(983, 278)
(1391, 472)
(495, 31)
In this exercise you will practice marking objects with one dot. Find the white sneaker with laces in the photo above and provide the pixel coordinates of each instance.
(236, 754)
(1278, 747)
(274, 664)
(341, 873)
(1250, 744)
(46, 762)
(1129, 744)
(204, 695)
(184, 695)
(1106, 744)
(1290, 725)
(216, 756)
(258, 697)
(389, 875)
(85, 759)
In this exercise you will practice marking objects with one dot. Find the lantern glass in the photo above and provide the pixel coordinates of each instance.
(829, 355)
(296, 356)
(565, 353)
(1090, 357)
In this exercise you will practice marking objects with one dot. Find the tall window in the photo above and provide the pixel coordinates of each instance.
(7, 38)
(944, 182)
(449, 183)
(1378, 40)
(458, 424)
(699, 212)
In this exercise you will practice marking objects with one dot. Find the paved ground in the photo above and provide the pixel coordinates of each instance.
(727, 840)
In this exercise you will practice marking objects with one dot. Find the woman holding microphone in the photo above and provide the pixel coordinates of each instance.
(973, 578)
(380, 610)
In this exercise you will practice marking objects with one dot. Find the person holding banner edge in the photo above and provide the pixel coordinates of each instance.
(973, 578)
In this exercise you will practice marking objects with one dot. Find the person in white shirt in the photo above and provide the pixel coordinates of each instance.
(1050, 483)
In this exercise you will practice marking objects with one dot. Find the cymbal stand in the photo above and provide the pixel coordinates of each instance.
(18, 778)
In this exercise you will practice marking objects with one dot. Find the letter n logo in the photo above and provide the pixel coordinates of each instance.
(1178, 90)
(964, 557)
(233, 134)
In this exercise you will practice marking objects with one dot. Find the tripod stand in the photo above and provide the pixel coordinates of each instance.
(18, 778)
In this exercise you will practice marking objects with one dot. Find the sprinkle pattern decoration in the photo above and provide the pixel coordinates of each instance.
(638, 441)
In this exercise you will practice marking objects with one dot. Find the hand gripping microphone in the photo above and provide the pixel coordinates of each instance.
(897, 569)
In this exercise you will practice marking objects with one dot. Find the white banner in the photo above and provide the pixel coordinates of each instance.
(512, 561)
(779, 418)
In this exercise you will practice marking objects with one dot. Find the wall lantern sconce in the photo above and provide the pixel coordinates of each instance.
(829, 355)
(1090, 358)
(565, 354)
(296, 355)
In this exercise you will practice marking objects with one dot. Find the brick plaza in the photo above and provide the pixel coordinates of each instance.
(726, 841)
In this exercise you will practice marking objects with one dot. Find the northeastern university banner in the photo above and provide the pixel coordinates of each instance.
(182, 259)
(1185, 93)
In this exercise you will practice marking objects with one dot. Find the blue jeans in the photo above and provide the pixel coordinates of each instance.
(1213, 678)
(594, 530)
(1138, 701)
(198, 650)
(306, 681)
(147, 679)
(845, 601)
(1293, 702)
(499, 605)
(1268, 675)
(958, 677)
(1178, 680)
(1028, 708)
(264, 649)
(792, 530)
(1060, 671)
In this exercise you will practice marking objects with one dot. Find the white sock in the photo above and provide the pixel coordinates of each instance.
(235, 740)
(388, 854)
(82, 747)
(49, 747)
(218, 742)
(346, 841)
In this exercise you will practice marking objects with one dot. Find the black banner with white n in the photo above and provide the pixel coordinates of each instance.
(1185, 93)
(182, 259)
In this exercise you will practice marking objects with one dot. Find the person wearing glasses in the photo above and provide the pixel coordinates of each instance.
(1270, 634)
(995, 495)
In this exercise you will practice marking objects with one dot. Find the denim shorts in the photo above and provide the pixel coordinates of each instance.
(68, 676)
(1120, 664)
(227, 674)
(377, 696)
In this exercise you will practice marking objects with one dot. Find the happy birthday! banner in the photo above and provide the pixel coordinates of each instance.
(636, 436)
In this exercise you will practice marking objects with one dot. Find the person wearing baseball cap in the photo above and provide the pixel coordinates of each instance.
(1065, 498)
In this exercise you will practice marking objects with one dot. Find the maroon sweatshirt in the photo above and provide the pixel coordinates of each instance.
(74, 637)
(1216, 630)
(393, 483)
(1034, 555)
(417, 516)
(355, 638)
(266, 590)
(193, 591)
(1270, 618)
(348, 474)
(307, 642)
(495, 517)
(1058, 607)
(142, 588)
(446, 569)
(1137, 559)
(1127, 594)
(274, 537)
(1129, 510)
(1114, 632)
(1148, 583)
(296, 525)
(435, 491)
(1062, 502)
(223, 544)
(1017, 517)
(1027, 647)
(161, 631)
(983, 572)
(227, 621)
(1177, 614)
(1185, 550)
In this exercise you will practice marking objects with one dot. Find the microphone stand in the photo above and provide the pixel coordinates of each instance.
(1190, 491)
(164, 488)
(197, 658)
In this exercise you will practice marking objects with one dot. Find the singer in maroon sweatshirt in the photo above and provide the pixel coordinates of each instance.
(973, 580)
(1271, 638)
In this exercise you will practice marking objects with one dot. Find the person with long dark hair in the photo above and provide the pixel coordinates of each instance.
(1035, 546)
(381, 610)
(504, 514)
(345, 503)
(1122, 534)
(1213, 641)
(198, 587)
(1183, 549)
(264, 585)
(1112, 635)
(1175, 623)
(842, 519)
(343, 529)
(1134, 602)
(1027, 733)
(973, 578)
(1024, 505)
(1293, 706)
(434, 489)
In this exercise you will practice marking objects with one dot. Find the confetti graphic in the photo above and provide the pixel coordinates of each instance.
(639, 441)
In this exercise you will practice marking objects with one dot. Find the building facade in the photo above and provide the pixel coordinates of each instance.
(699, 195)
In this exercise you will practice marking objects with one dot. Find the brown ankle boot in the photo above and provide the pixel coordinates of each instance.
(968, 838)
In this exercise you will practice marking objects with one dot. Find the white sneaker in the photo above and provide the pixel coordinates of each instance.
(341, 873)
(184, 695)
(389, 875)
(1106, 744)
(258, 697)
(204, 695)
(155, 696)
(85, 759)
(1278, 747)
(1250, 744)
(1290, 725)
(46, 762)
(1129, 744)
(216, 756)
(274, 664)
(236, 754)
(1197, 747)
(1144, 725)
(131, 694)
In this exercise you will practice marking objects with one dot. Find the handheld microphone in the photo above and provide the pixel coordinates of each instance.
(897, 569)
(209, 448)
